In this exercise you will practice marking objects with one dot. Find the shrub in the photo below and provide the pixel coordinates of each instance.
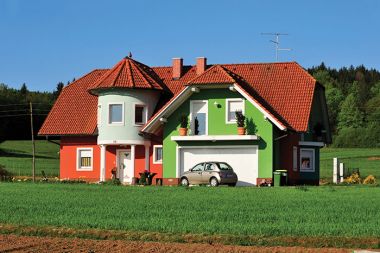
(240, 119)
(370, 180)
(4, 174)
(183, 120)
(353, 179)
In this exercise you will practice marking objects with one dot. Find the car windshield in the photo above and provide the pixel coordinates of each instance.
(224, 166)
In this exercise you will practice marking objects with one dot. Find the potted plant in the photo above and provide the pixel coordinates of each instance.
(240, 121)
(183, 120)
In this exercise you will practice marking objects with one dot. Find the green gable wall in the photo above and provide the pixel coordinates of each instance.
(217, 126)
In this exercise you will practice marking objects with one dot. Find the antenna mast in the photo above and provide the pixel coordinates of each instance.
(277, 42)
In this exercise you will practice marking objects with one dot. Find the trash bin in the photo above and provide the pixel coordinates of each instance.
(280, 177)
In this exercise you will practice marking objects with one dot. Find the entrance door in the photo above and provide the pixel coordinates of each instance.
(125, 171)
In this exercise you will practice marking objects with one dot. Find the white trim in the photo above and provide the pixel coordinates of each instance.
(311, 143)
(214, 137)
(259, 107)
(124, 142)
(179, 148)
(192, 102)
(145, 114)
(102, 176)
(228, 100)
(90, 168)
(109, 114)
(133, 156)
(313, 158)
(147, 158)
(295, 158)
(155, 161)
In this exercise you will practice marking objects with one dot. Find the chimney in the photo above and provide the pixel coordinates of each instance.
(177, 68)
(201, 65)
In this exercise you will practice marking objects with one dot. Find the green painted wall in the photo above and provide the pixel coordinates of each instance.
(129, 97)
(217, 126)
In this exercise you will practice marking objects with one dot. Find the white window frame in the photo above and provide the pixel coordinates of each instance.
(228, 100)
(295, 158)
(79, 157)
(192, 102)
(99, 114)
(145, 113)
(313, 159)
(155, 161)
(109, 114)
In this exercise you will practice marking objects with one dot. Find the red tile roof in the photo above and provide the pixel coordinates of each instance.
(75, 111)
(129, 73)
(214, 75)
(285, 90)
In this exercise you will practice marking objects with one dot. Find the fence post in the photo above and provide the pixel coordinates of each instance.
(335, 170)
(341, 172)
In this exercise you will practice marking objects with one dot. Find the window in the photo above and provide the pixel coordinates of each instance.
(116, 114)
(295, 159)
(233, 105)
(157, 154)
(307, 160)
(198, 167)
(198, 117)
(84, 159)
(140, 114)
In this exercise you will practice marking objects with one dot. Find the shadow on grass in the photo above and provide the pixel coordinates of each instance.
(4, 153)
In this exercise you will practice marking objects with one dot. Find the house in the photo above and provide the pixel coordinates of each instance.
(122, 121)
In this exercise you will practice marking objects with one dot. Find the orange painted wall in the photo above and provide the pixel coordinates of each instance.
(68, 153)
(68, 158)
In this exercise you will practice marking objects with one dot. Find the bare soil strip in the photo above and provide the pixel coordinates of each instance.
(58, 235)
(15, 243)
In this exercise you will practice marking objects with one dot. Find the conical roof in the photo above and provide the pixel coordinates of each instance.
(129, 73)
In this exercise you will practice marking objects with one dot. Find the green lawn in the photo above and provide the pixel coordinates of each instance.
(366, 159)
(16, 156)
(313, 211)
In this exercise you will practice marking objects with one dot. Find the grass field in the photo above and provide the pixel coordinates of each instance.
(16, 156)
(366, 159)
(313, 211)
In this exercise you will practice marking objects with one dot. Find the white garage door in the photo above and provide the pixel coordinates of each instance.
(244, 160)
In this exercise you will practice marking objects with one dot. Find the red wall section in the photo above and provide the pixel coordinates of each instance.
(68, 158)
(286, 156)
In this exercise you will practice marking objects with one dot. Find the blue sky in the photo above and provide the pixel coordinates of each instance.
(43, 42)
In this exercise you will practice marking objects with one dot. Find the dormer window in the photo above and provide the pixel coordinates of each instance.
(116, 113)
(140, 114)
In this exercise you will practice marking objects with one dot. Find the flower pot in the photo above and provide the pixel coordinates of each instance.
(241, 130)
(183, 131)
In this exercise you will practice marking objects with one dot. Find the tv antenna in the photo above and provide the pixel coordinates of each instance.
(277, 42)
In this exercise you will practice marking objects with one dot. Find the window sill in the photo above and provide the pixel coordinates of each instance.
(215, 138)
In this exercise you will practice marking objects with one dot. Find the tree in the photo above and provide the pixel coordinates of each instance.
(334, 99)
(58, 90)
(350, 116)
(23, 90)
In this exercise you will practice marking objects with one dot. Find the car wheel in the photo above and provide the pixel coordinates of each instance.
(184, 181)
(214, 182)
(232, 185)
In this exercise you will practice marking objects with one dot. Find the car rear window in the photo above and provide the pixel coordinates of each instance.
(224, 166)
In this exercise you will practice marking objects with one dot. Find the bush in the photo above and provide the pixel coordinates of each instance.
(362, 137)
(4, 174)
(353, 179)
(370, 180)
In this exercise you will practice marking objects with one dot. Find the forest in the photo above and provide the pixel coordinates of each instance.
(353, 102)
(352, 95)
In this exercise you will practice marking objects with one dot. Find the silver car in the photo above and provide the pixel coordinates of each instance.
(213, 173)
